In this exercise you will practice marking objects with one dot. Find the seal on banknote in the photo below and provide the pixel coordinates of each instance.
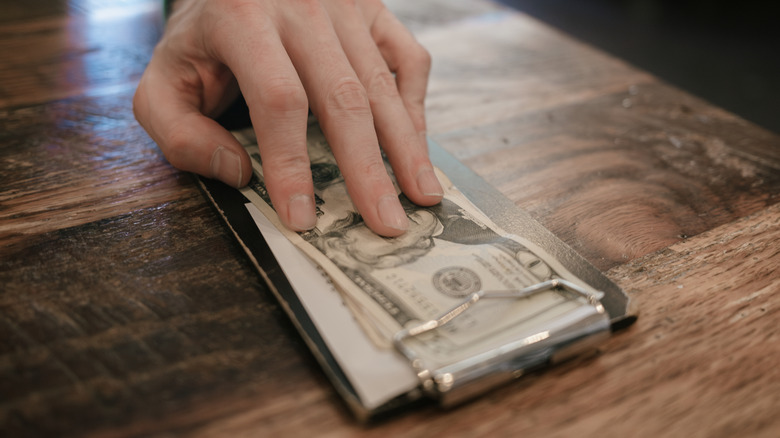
(456, 281)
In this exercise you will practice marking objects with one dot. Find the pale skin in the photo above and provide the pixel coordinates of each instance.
(352, 62)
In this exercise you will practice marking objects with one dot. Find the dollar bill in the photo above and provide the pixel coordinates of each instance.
(450, 251)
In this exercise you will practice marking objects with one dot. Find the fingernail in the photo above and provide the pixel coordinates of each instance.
(226, 166)
(391, 213)
(428, 183)
(301, 210)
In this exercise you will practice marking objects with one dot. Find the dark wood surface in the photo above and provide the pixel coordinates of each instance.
(126, 307)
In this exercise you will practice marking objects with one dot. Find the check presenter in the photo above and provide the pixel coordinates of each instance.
(352, 63)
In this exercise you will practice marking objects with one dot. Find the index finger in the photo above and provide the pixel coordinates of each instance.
(408, 59)
(279, 110)
(341, 104)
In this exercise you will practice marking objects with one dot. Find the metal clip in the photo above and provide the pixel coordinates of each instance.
(425, 374)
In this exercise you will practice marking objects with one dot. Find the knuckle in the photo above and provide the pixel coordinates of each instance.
(283, 96)
(420, 57)
(348, 95)
(284, 162)
(220, 20)
(381, 84)
(287, 170)
(371, 169)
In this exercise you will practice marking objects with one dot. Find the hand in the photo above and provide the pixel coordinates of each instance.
(286, 56)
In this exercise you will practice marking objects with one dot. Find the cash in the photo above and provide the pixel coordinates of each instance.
(450, 251)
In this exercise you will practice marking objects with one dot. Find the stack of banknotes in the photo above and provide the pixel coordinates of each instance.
(450, 251)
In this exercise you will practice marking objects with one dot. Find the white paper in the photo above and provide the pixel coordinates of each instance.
(377, 375)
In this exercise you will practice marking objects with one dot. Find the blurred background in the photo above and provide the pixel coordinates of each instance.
(726, 52)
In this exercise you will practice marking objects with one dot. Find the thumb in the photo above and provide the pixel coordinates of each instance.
(189, 140)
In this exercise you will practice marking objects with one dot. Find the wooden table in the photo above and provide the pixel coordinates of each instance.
(126, 308)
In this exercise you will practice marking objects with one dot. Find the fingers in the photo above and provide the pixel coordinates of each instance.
(287, 57)
(189, 140)
(279, 110)
(341, 103)
(408, 59)
(405, 146)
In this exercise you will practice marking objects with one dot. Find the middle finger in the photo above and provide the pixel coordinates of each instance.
(341, 104)
(405, 147)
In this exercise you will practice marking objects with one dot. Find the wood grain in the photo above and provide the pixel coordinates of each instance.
(52, 51)
(53, 151)
(700, 361)
(611, 160)
(91, 339)
(127, 309)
